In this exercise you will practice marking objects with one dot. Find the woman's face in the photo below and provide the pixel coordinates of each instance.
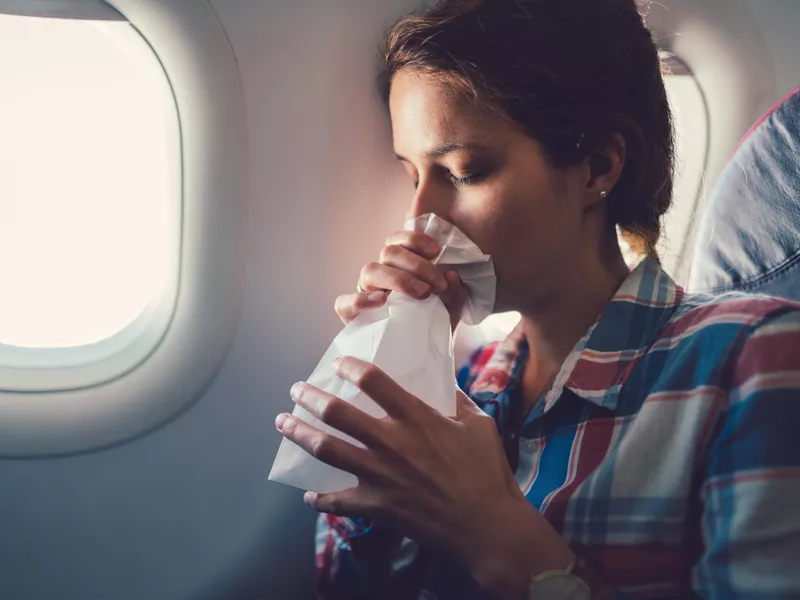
(480, 172)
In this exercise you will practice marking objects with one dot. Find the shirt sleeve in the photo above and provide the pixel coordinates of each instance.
(466, 375)
(356, 560)
(751, 490)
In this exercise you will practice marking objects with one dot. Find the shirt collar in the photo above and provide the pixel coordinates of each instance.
(602, 360)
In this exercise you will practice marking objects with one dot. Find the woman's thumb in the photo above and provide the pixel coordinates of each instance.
(455, 296)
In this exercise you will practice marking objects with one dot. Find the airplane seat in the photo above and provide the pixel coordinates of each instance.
(749, 238)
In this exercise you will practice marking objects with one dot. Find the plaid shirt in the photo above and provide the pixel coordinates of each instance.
(667, 453)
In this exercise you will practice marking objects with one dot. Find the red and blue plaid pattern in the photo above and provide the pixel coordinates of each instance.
(667, 453)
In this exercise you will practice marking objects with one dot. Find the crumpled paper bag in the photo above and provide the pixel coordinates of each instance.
(409, 339)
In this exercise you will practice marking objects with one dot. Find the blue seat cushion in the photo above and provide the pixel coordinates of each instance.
(749, 238)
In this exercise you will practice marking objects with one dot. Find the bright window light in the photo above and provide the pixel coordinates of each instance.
(691, 132)
(504, 322)
(690, 119)
(87, 197)
(493, 328)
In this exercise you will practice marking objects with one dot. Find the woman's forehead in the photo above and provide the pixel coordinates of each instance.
(427, 112)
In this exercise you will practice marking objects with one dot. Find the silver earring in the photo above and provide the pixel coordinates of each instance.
(603, 194)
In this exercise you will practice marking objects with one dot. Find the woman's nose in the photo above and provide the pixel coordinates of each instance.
(428, 199)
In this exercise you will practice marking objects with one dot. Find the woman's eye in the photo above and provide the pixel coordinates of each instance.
(465, 180)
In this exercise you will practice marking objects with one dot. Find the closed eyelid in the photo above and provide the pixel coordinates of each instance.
(463, 170)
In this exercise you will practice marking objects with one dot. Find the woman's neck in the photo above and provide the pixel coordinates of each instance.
(552, 330)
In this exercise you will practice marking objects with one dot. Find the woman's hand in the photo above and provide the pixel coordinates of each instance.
(404, 266)
(443, 482)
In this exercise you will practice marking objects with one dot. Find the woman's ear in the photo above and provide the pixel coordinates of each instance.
(605, 169)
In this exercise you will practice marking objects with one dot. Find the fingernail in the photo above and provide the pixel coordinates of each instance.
(375, 296)
(297, 388)
(420, 288)
(337, 365)
(309, 498)
(280, 420)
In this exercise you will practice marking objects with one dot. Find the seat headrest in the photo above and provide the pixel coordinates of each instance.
(749, 239)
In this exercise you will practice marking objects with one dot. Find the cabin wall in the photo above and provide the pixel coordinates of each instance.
(187, 511)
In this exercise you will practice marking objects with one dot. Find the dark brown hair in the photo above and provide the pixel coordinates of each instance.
(569, 73)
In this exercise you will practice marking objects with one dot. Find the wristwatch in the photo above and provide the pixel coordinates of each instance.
(576, 582)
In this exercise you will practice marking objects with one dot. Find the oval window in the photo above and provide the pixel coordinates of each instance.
(90, 201)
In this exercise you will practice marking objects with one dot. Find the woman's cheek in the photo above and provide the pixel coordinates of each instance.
(479, 224)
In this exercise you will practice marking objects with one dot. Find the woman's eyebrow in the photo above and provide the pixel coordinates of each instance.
(447, 148)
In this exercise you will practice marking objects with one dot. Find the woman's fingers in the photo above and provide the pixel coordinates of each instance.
(349, 306)
(338, 414)
(405, 265)
(413, 253)
(327, 448)
(379, 276)
(421, 267)
(355, 502)
(383, 390)
(455, 294)
(403, 270)
(416, 241)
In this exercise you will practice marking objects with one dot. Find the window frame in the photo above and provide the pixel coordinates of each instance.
(677, 258)
(684, 216)
(196, 54)
(88, 10)
(46, 369)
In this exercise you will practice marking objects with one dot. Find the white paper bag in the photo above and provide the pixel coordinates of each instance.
(409, 339)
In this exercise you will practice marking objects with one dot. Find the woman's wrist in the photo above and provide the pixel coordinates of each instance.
(510, 546)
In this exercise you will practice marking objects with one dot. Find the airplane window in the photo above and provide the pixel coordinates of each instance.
(690, 116)
(110, 204)
(90, 194)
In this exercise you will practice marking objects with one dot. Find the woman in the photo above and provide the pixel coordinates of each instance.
(627, 439)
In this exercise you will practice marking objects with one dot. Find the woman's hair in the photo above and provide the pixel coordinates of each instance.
(569, 73)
